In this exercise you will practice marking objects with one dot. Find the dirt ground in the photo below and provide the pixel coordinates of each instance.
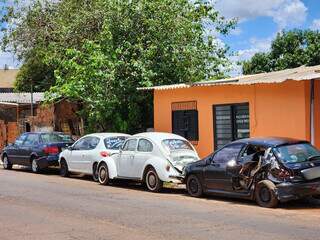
(46, 206)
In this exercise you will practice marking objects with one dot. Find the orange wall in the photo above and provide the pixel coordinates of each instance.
(275, 109)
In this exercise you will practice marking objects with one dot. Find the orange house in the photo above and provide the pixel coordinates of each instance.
(212, 113)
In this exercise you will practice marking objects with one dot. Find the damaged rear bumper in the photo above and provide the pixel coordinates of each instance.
(292, 191)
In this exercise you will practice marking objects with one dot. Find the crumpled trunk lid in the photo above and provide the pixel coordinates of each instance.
(309, 170)
(180, 159)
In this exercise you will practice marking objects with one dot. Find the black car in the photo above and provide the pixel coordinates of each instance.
(267, 170)
(36, 149)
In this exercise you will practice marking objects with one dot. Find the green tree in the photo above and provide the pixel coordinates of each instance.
(289, 50)
(100, 51)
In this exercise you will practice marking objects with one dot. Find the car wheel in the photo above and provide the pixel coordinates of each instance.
(265, 194)
(154, 184)
(103, 174)
(34, 166)
(95, 173)
(194, 186)
(64, 171)
(6, 163)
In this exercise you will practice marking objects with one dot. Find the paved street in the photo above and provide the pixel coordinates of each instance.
(47, 206)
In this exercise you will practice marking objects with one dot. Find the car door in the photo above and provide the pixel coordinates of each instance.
(215, 174)
(77, 153)
(14, 152)
(143, 153)
(89, 154)
(28, 146)
(126, 159)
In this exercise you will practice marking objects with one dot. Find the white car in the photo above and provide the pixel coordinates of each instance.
(85, 154)
(151, 158)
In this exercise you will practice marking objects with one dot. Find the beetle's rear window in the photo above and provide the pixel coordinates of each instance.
(176, 144)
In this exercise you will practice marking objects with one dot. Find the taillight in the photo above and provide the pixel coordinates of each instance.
(104, 154)
(51, 150)
(284, 174)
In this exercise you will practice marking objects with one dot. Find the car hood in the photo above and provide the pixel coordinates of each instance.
(181, 159)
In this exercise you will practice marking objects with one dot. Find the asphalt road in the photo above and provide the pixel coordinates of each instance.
(46, 206)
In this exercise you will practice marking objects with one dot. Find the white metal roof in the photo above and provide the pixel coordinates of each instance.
(294, 74)
(158, 136)
(21, 98)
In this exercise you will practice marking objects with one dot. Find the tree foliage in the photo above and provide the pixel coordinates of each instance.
(289, 50)
(98, 52)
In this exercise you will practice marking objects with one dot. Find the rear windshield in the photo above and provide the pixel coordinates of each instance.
(114, 143)
(56, 137)
(176, 144)
(297, 153)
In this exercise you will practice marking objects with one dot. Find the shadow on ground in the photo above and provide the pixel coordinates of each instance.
(307, 203)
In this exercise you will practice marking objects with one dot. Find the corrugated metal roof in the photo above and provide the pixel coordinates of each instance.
(21, 98)
(295, 74)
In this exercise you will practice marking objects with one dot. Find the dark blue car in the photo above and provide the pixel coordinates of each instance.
(36, 149)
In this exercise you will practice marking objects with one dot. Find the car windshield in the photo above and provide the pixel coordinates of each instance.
(176, 144)
(114, 143)
(297, 153)
(56, 137)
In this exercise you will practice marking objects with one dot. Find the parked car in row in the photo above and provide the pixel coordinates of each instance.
(85, 154)
(267, 170)
(37, 149)
(151, 158)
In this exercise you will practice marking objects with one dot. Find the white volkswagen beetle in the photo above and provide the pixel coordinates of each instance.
(85, 154)
(151, 158)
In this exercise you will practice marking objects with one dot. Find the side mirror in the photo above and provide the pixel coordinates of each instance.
(70, 148)
(208, 161)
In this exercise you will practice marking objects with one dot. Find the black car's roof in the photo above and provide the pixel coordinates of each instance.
(269, 141)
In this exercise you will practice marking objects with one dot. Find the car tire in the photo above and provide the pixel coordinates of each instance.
(34, 165)
(95, 172)
(152, 180)
(6, 163)
(194, 186)
(265, 194)
(64, 170)
(103, 174)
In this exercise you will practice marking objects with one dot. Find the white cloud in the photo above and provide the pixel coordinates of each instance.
(257, 45)
(315, 24)
(285, 13)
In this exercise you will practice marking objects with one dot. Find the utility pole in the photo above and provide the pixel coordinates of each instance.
(31, 99)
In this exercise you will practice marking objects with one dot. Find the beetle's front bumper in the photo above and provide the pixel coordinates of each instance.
(291, 191)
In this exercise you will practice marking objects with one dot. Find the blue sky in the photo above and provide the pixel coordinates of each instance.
(259, 22)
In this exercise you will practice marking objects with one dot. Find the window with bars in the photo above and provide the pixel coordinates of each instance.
(185, 120)
(231, 122)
